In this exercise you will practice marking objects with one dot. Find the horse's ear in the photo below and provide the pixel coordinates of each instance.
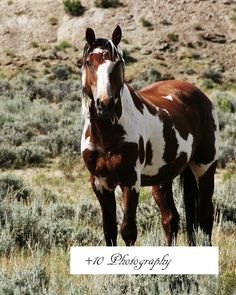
(90, 36)
(116, 35)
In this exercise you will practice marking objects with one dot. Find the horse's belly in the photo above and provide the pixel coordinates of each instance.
(154, 174)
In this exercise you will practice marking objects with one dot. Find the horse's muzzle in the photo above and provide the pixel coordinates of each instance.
(105, 108)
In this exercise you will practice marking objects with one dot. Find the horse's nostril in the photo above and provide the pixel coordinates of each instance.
(98, 103)
(105, 107)
(112, 101)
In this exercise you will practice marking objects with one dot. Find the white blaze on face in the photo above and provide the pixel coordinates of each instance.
(98, 50)
(103, 82)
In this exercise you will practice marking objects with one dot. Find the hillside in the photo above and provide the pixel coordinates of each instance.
(182, 39)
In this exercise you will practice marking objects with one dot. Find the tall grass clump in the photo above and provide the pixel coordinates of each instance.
(107, 3)
(61, 88)
(148, 77)
(39, 121)
(233, 18)
(33, 280)
(172, 37)
(146, 23)
(214, 75)
(61, 72)
(63, 45)
(73, 7)
(42, 223)
(226, 108)
(224, 201)
(13, 187)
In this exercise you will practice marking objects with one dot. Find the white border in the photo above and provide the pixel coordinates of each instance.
(144, 260)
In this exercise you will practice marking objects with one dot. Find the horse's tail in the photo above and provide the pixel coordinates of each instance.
(190, 194)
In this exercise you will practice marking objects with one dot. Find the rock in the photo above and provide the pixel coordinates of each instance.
(47, 64)
(37, 57)
(190, 72)
(167, 76)
(134, 48)
(166, 22)
(62, 55)
(190, 44)
(131, 28)
(214, 37)
(20, 63)
(6, 61)
(157, 55)
(145, 51)
(228, 2)
(50, 54)
(164, 47)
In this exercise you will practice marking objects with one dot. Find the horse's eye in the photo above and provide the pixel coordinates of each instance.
(105, 55)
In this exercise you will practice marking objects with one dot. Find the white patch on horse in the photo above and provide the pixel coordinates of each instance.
(83, 77)
(101, 183)
(97, 50)
(169, 97)
(165, 110)
(103, 82)
(85, 142)
(184, 146)
(98, 185)
(137, 184)
(199, 170)
(135, 125)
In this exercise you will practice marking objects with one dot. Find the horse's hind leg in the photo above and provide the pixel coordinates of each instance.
(205, 206)
(170, 217)
(190, 194)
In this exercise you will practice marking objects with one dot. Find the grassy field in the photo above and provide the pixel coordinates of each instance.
(46, 204)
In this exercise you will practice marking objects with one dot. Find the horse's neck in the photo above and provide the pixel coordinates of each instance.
(139, 115)
(130, 113)
(104, 134)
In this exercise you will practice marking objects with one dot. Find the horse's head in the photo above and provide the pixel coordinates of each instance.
(103, 71)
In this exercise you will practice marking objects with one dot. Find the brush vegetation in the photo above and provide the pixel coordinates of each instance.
(73, 7)
(107, 3)
(46, 204)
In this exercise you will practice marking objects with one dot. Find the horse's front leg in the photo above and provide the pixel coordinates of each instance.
(107, 201)
(128, 227)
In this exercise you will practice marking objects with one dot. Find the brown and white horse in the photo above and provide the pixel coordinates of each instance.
(146, 138)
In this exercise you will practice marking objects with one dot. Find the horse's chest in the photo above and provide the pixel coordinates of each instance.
(116, 167)
(108, 164)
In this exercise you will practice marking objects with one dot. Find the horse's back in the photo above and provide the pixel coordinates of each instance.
(163, 93)
(190, 108)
